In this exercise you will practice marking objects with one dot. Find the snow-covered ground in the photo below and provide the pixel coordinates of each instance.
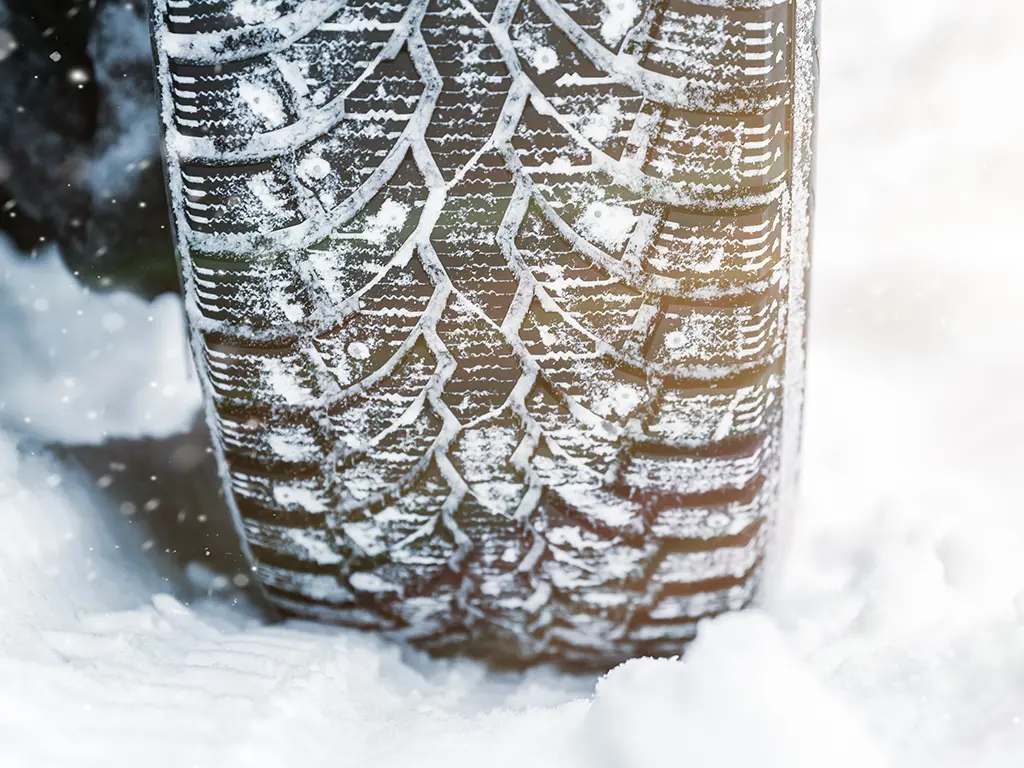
(81, 366)
(893, 636)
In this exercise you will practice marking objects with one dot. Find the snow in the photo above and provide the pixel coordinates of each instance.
(617, 16)
(256, 11)
(129, 137)
(314, 167)
(741, 692)
(8, 44)
(82, 366)
(544, 59)
(530, 48)
(389, 218)
(607, 223)
(298, 496)
(264, 102)
(892, 634)
(61, 554)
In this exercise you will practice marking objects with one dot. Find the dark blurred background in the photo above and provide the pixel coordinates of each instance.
(79, 158)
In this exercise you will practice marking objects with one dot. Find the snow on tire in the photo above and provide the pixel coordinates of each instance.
(498, 305)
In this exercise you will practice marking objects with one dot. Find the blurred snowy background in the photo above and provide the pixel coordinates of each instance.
(894, 635)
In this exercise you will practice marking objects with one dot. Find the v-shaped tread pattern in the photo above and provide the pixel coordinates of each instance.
(498, 304)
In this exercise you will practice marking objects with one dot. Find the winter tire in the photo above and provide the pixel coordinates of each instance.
(498, 305)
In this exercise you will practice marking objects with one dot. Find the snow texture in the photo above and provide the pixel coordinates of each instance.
(893, 635)
(81, 366)
(129, 135)
(617, 16)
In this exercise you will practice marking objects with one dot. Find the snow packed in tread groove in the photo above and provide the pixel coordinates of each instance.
(492, 292)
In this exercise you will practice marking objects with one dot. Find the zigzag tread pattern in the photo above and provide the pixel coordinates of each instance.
(490, 300)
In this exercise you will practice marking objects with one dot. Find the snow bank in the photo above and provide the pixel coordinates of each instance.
(893, 636)
(80, 366)
(740, 697)
(129, 134)
(62, 554)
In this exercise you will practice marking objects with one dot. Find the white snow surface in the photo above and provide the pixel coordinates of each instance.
(893, 634)
(83, 366)
(617, 16)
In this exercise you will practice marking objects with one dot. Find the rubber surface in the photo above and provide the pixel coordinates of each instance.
(498, 305)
